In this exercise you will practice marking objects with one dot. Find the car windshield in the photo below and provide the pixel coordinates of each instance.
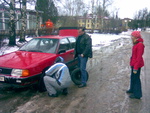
(44, 45)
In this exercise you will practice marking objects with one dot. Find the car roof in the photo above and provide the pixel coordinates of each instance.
(53, 36)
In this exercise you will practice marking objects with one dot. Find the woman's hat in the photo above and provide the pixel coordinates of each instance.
(136, 34)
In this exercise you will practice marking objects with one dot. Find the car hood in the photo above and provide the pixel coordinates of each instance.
(23, 59)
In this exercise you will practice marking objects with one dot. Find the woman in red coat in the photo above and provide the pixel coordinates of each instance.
(136, 62)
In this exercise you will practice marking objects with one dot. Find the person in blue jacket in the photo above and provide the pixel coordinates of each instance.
(57, 78)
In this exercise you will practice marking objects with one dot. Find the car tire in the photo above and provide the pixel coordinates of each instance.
(76, 76)
(41, 85)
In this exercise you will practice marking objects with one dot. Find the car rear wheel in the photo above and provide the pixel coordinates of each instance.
(76, 76)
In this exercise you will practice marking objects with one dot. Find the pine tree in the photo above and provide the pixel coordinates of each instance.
(48, 8)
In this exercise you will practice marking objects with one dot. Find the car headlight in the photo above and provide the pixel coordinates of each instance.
(19, 73)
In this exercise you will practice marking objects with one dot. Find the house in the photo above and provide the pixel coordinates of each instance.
(125, 23)
(31, 19)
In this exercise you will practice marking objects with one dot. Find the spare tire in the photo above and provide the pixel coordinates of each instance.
(76, 76)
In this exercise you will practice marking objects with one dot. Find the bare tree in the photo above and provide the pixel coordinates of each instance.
(23, 9)
(99, 10)
(10, 6)
(93, 18)
(24, 20)
(70, 10)
(141, 19)
(105, 5)
(11, 23)
(72, 7)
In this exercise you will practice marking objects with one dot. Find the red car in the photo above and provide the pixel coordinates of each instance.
(27, 66)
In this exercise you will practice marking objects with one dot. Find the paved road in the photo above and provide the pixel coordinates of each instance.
(146, 77)
(143, 105)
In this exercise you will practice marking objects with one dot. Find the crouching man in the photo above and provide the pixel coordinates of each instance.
(57, 78)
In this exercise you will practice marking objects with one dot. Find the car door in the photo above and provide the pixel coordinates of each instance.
(66, 51)
(72, 41)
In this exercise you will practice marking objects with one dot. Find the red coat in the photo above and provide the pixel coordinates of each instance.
(137, 52)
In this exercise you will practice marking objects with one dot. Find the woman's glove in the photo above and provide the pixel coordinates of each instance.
(135, 71)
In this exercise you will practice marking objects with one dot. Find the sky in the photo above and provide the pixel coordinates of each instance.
(128, 8)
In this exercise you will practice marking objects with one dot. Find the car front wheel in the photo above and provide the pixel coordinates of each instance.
(41, 85)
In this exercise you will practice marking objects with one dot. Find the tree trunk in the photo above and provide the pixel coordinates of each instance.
(102, 20)
(24, 18)
(93, 19)
(37, 24)
(12, 27)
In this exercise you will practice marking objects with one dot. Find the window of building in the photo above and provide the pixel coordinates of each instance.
(6, 23)
(97, 25)
(6, 15)
(1, 24)
(32, 21)
(1, 21)
(19, 22)
(0, 15)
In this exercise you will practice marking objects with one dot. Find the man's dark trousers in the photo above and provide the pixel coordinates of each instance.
(82, 61)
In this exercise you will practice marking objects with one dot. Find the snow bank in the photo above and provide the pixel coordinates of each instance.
(100, 40)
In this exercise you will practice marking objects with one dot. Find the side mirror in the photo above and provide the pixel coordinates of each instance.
(61, 51)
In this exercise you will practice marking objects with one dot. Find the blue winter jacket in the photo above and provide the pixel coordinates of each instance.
(61, 73)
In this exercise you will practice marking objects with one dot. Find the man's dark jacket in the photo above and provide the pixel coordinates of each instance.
(85, 45)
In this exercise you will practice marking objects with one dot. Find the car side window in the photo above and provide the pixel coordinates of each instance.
(64, 44)
(72, 41)
(29, 46)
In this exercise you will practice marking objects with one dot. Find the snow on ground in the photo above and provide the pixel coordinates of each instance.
(98, 41)
(7, 49)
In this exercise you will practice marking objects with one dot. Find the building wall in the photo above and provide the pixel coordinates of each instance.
(125, 22)
(87, 22)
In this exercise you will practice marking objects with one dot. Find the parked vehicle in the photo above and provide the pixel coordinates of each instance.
(27, 66)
